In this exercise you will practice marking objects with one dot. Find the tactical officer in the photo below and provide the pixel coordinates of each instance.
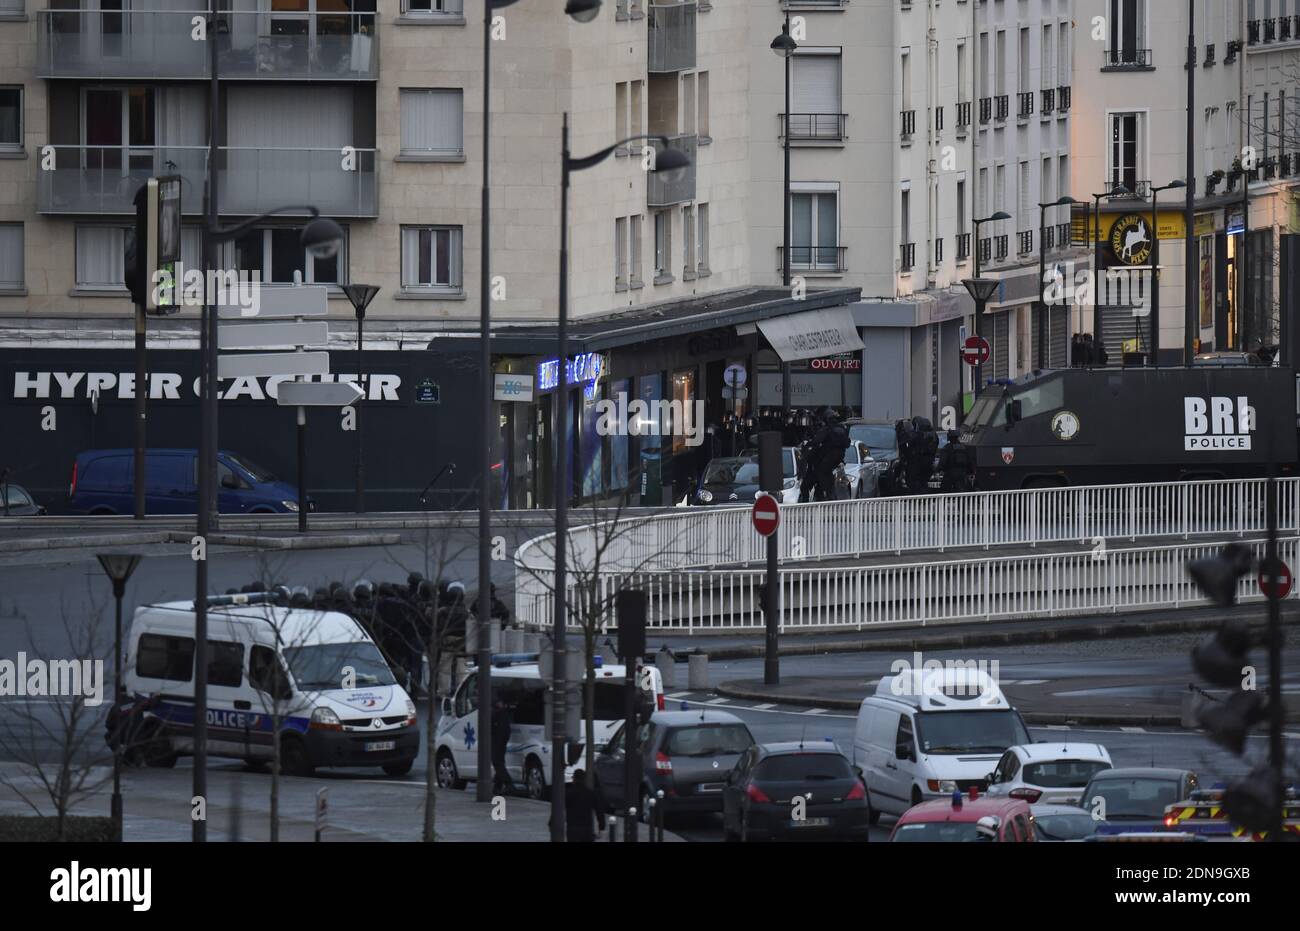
(957, 464)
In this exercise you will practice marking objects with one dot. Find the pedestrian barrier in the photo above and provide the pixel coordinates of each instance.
(693, 564)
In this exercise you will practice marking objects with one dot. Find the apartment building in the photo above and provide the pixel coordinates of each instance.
(1245, 157)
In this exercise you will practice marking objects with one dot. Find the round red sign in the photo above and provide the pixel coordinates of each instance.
(975, 351)
(766, 515)
(1275, 582)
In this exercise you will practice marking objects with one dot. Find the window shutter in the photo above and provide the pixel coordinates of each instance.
(815, 84)
(432, 121)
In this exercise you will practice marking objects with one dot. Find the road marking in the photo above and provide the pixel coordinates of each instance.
(1055, 727)
(679, 694)
(717, 701)
(764, 706)
(815, 711)
(1133, 730)
(1032, 681)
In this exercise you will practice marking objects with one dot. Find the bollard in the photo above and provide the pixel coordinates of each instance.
(629, 826)
(612, 822)
(697, 675)
(667, 669)
(660, 814)
(652, 817)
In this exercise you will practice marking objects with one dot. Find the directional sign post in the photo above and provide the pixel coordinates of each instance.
(975, 351)
(317, 394)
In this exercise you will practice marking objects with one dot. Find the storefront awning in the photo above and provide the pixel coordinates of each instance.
(812, 334)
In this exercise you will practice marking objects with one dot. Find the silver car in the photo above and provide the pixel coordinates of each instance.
(1055, 773)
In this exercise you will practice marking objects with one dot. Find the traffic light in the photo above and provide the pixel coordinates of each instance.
(1217, 576)
(1254, 802)
(155, 246)
(1221, 656)
(630, 605)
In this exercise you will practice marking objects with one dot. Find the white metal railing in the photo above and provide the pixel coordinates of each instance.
(692, 562)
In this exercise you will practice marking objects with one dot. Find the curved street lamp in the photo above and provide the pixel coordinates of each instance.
(784, 46)
(1044, 356)
(1154, 341)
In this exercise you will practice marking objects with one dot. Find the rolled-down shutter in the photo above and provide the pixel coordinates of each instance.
(1001, 344)
(1058, 335)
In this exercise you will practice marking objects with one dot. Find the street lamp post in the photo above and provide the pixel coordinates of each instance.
(118, 567)
(1044, 356)
(666, 161)
(981, 291)
(784, 45)
(1154, 339)
(979, 307)
(360, 296)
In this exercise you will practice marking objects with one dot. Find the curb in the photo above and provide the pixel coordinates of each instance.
(17, 547)
(319, 541)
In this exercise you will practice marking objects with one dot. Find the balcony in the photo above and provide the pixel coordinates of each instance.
(986, 249)
(1137, 190)
(1270, 30)
(1284, 29)
(1252, 32)
(664, 191)
(1003, 110)
(908, 123)
(830, 260)
(1049, 101)
(1025, 104)
(907, 256)
(1049, 237)
(1064, 233)
(1026, 242)
(1209, 55)
(963, 246)
(963, 114)
(986, 110)
(671, 37)
(1000, 247)
(815, 127)
(1126, 59)
(1234, 48)
(102, 180)
(157, 44)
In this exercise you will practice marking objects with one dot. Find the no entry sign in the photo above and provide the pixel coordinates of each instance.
(975, 351)
(766, 515)
(1275, 580)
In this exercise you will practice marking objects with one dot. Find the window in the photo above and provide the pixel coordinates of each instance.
(620, 112)
(11, 118)
(434, 7)
(814, 230)
(13, 8)
(431, 258)
(1127, 36)
(688, 104)
(905, 217)
(815, 96)
(982, 204)
(11, 256)
(702, 106)
(906, 79)
(634, 265)
(688, 242)
(225, 663)
(433, 122)
(963, 86)
(276, 253)
(101, 255)
(703, 259)
(637, 90)
(1023, 63)
(1000, 63)
(162, 657)
(467, 697)
(983, 66)
(961, 205)
(1045, 184)
(266, 673)
(1047, 78)
(1127, 150)
(620, 252)
(1063, 53)
(663, 247)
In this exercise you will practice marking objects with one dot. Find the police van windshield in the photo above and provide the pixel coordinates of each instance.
(985, 408)
(324, 666)
(969, 731)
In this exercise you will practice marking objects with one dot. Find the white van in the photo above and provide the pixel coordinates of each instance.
(528, 754)
(318, 672)
(926, 733)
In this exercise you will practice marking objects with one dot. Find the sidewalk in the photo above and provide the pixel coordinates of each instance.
(156, 807)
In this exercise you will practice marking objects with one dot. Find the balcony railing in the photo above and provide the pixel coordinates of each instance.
(1025, 101)
(1049, 237)
(1284, 28)
(1049, 101)
(963, 246)
(825, 127)
(1003, 102)
(143, 44)
(938, 119)
(1026, 242)
(1252, 32)
(1209, 55)
(664, 190)
(104, 179)
(986, 110)
(1270, 30)
(986, 249)
(907, 256)
(671, 37)
(963, 113)
(1233, 48)
(829, 259)
(1120, 58)
(1063, 235)
(1137, 190)
(908, 123)
(1000, 247)
(938, 251)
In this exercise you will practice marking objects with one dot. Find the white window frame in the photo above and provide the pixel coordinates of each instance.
(308, 265)
(118, 285)
(702, 241)
(688, 242)
(635, 224)
(702, 105)
(442, 153)
(437, 8)
(1143, 24)
(620, 253)
(1143, 143)
(663, 257)
(818, 189)
(456, 272)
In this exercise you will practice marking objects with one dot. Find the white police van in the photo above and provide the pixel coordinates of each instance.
(926, 733)
(528, 754)
(317, 672)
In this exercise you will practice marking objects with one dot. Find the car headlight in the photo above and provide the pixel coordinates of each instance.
(324, 719)
(942, 786)
(789, 483)
(291, 505)
(705, 495)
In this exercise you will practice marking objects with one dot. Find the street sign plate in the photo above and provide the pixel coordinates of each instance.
(734, 394)
(317, 393)
(272, 335)
(1277, 578)
(734, 375)
(261, 364)
(273, 301)
(975, 351)
(766, 515)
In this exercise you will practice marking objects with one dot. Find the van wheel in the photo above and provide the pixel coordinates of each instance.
(873, 814)
(294, 759)
(535, 779)
(156, 750)
(916, 796)
(400, 768)
(255, 764)
(102, 511)
(445, 771)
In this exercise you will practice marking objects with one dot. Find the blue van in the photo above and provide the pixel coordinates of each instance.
(103, 483)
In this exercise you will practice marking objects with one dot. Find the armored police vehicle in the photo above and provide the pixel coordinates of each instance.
(1137, 425)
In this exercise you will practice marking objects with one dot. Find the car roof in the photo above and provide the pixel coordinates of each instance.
(688, 718)
(1038, 752)
(798, 747)
(942, 809)
(1143, 772)
(1056, 808)
(297, 626)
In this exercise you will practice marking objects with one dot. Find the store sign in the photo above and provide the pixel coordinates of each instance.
(835, 365)
(1130, 239)
(581, 369)
(812, 334)
(510, 387)
(33, 384)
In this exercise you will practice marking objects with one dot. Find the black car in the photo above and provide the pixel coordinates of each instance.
(686, 754)
(761, 800)
(17, 501)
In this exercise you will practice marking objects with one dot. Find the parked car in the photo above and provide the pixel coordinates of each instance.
(17, 501)
(860, 471)
(734, 479)
(1048, 772)
(761, 798)
(964, 820)
(687, 754)
(1062, 822)
(103, 482)
(1124, 800)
